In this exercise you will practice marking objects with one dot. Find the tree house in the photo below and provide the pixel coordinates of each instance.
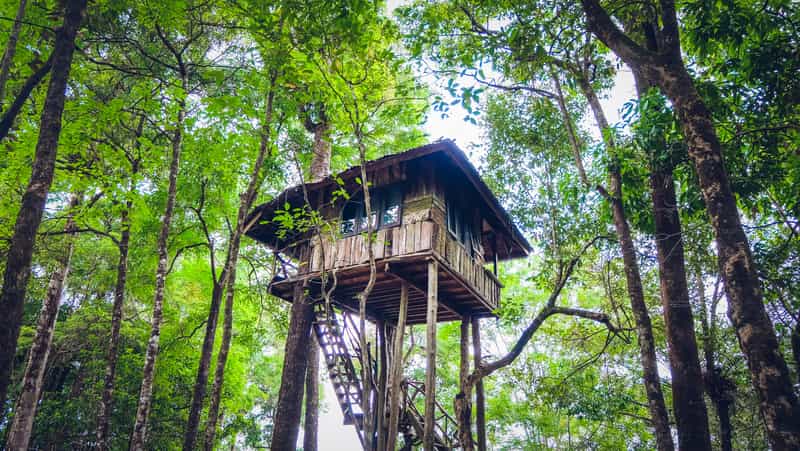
(436, 235)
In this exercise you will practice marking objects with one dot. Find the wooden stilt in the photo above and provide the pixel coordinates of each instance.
(430, 347)
(397, 370)
(380, 420)
(480, 402)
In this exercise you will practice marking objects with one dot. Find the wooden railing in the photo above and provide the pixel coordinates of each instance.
(406, 239)
(472, 271)
(352, 250)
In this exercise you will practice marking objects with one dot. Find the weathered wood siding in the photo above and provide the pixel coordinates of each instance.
(471, 270)
(404, 239)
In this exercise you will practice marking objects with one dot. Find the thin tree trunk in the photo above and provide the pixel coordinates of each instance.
(203, 368)
(139, 435)
(719, 389)
(644, 328)
(463, 403)
(246, 200)
(396, 376)
(769, 373)
(286, 421)
(688, 403)
(22, 96)
(311, 421)
(20, 251)
(320, 168)
(687, 388)
(19, 433)
(480, 402)
(11, 49)
(107, 398)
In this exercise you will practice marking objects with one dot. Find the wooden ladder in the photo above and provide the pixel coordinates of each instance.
(340, 347)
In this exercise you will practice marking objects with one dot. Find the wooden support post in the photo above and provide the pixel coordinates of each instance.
(380, 420)
(480, 402)
(463, 403)
(397, 370)
(430, 350)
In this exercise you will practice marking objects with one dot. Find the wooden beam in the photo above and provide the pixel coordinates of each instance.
(412, 284)
(430, 350)
(397, 371)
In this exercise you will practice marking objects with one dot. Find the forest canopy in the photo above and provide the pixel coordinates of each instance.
(659, 306)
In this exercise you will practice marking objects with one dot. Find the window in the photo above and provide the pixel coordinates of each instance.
(386, 206)
(461, 225)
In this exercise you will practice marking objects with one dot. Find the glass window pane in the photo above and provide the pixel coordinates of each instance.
(348, 226)
(362, 222)
(391, 215)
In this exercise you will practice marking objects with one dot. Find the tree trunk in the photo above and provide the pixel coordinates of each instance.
(769, 373)
(687, 388)
(396, 376)
(286, 421)
(644, 328)
(20, 251)
(19, 434)
(11, 49)
(222, 360)
(688, 403)
(719, 389)
(107, 398)
(246, 200)
(463, 403)
(311, 421)
(139, 435)
(480, 402)
(201, 380)
(22, 96)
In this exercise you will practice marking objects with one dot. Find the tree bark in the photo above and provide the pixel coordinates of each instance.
(311, 420)
(139, 435)
(769, 373)
(480, 402)
(246, 200)
(719, 389)
(20, 251)
(688, 403)
(286, 422)
(107, 398)
(644, 328)
(204, 366)
(11, 49)
(19, 434)
(463, 401)
(22, 96)
(396, 377)
(687, 388)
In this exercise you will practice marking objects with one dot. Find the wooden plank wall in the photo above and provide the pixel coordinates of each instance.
(390, 242)
(472, 271)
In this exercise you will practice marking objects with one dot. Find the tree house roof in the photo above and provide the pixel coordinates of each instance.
(511, 242)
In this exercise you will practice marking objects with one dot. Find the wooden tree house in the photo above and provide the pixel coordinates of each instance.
(437, 235)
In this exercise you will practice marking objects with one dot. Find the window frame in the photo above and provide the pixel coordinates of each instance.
(379, 199)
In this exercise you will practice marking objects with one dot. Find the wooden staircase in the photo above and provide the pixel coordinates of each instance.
(338, 338)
